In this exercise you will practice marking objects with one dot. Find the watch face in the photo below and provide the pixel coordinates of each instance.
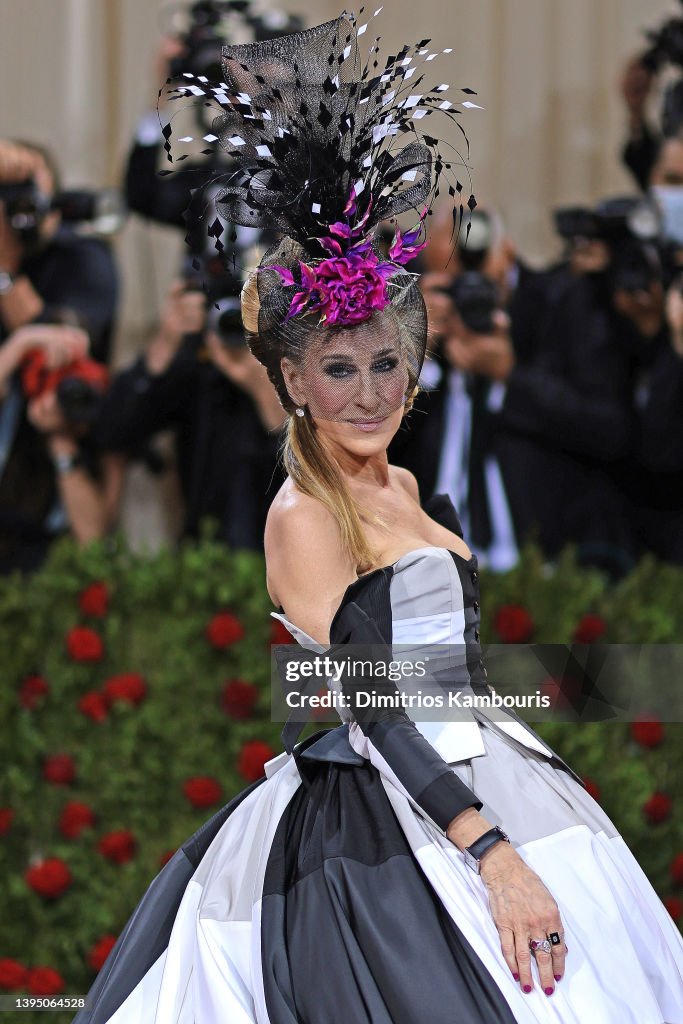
(471, 861)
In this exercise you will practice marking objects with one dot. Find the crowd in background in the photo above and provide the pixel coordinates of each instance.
(551, 401)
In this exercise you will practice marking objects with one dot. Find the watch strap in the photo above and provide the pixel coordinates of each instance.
(474, 853)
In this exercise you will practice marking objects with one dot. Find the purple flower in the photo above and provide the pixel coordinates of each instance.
(350, 284)
(345, 290)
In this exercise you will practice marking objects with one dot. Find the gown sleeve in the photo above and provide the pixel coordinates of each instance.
(394, 744)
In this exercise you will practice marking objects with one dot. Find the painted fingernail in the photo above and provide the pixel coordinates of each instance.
(548, 991)
(516, 977)
(527, 988)
(558, 977)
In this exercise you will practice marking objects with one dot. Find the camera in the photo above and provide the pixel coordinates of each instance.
(476, 300)
(631, 228)
(474, 247)
(207, 31)
(224, 317)
(26, 207)
(206, 272)
(79, 387)
(212, 23)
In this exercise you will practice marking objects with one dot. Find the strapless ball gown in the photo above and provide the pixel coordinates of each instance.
(328, 893)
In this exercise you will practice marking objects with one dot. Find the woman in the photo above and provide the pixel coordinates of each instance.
(391, 870)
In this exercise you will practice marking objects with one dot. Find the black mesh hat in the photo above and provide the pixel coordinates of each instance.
(325, 148)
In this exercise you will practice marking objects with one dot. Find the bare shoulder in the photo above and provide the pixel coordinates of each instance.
(407, 480)
(296, 524)
(306, 569)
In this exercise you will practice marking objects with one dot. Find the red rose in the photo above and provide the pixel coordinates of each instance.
(13, 975)
(100, 951)
(84, 644)
(513, 624)
(279, 634)
(94, 600)
(202, 791)
(592, 788)
(44, 981)
(74, 818)
(647, 733)
(589, 629)
(253, 756)
(50, 878)
(658, 808)
(129, 688)
(223, 630)
(118, 847)
(6, 819)
(165, 857)
(674, 906)
(59, 769)
(93, 705)
(677, 869)
(31, 690)
(239, 698)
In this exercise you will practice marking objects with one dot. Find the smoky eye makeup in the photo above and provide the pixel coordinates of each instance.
(340, 366)
(385, 365)
(339, 369)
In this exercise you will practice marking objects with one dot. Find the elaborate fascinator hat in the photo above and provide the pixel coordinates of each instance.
(324, 148)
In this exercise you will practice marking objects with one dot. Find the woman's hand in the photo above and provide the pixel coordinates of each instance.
(522, 909)
(521, 906)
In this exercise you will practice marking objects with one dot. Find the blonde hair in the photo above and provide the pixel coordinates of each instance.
(305, 458)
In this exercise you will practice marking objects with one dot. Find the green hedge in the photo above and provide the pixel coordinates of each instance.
(171, 717)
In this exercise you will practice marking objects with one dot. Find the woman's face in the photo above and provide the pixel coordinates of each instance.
(353, 384)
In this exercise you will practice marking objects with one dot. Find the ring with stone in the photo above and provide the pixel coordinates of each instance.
(542, 944)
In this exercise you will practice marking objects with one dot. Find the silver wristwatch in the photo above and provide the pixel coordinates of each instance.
(6, 282)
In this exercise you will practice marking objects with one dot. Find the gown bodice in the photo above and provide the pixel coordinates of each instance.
(429, 600)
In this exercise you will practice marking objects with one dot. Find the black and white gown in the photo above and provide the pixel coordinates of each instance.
(327, 892)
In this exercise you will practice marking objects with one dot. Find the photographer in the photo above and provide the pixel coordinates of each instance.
(654, 478)
(523, 293)
(194, 47)
(44, 264)
(561, 424)
(452, 449)
(51, 480)
(203, 382)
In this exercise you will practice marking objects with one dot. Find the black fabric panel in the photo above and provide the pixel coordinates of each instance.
(145, 936)
(351, 929)
(411, 757)
(426, 776)
(442, 793)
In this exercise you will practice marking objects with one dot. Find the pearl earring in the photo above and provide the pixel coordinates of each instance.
(300, 412)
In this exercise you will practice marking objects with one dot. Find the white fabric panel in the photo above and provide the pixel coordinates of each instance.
(625, 961)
